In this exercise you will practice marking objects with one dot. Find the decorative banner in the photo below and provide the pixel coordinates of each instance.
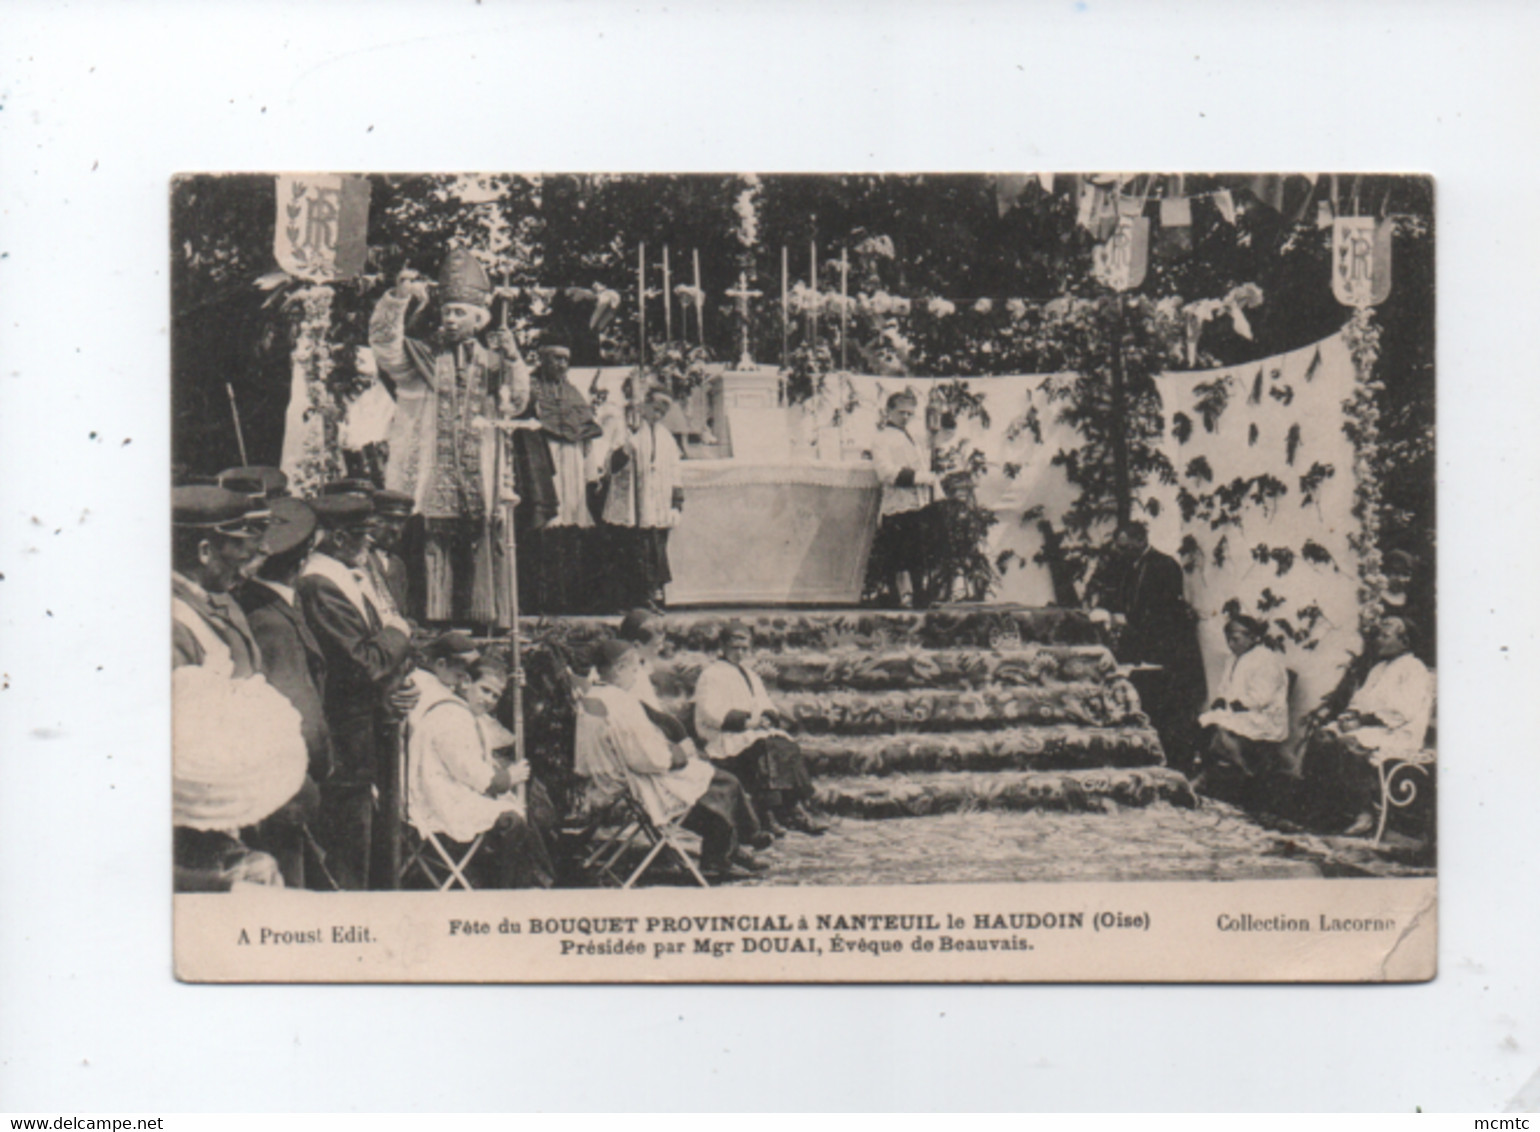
(1008, 189)
(1176, 212)
(1360, 260)
(323, 222)
(1226, 205)
(1120, 263)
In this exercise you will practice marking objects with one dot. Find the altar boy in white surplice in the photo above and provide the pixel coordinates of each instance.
(625, 745)
(1249, 718)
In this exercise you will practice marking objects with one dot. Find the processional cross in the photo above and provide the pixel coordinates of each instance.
(743, 295)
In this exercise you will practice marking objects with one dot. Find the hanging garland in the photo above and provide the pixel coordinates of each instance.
(1362, 428)
(311, 311)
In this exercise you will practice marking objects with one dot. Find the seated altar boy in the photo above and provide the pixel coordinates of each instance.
(1249, 718)
(625, 744)
(457, 788)
(744, 733)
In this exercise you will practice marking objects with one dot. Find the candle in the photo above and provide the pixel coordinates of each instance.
(668, 301)
(700, 303)
(785, 305)
(812, 317)
(844, 293)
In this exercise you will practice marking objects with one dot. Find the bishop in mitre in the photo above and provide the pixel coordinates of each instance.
(449, 390)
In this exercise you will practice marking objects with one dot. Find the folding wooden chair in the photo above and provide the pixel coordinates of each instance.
(433, 859)
(425, 851)
(619, 821)
(623, 823)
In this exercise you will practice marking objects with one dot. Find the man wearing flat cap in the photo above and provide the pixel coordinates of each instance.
(387, 569)
(238, 753)
(386, 572)
(293, 663)
(365, 650)
(446, 391)
(255, 479)
(215, 536)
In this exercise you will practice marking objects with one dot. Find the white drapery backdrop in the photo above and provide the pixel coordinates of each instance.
(1282, 417)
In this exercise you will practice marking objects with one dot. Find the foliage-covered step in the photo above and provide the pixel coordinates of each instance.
(1004, 627)
(1090, 791)
(925, 709)
(1015, 748)
(900, 668)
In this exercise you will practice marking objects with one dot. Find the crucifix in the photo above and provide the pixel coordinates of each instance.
(743, 295)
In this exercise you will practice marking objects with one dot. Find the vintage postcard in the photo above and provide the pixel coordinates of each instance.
(804, 578)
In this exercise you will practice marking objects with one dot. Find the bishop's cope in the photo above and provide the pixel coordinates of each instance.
(444, 443)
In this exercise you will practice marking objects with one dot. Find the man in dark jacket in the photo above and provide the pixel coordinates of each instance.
(293, 663)
(1155, 629)
(365, 651)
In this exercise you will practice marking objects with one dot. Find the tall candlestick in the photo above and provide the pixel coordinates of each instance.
(844, 294)
(668, 300)
(641, 303)
(700, 302)
(785, 305)
(812, 318)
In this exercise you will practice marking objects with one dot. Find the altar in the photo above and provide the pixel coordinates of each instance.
(760, 527)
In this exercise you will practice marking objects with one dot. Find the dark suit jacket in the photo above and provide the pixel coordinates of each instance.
(364, 662)
(224, 617)
(293, 663)
(1151, 599)
(394, 570)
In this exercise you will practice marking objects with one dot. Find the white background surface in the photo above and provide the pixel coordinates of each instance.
(103, 102)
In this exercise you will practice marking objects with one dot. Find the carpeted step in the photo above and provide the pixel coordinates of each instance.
(1090, 791)
(779, 630)
(909, 667)
(924, 709)
(1015, 748)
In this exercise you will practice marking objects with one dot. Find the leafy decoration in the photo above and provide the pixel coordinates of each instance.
(1199, 469)
(1213, 397)
(1310, 483)
(1317, 554)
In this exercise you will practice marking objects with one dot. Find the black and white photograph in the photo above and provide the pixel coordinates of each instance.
(580, 531)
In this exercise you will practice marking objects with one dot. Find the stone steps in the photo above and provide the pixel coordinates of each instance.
(899, 668)
(947, 710)
(843, 712)
(1099, 790)
(1016, 748)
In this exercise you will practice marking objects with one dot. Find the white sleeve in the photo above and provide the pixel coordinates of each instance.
(641, 746)
(455, 740)
(890, 457)
(387, 335)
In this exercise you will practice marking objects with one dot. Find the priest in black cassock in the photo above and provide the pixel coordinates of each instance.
(553, 466)
(1158, 630)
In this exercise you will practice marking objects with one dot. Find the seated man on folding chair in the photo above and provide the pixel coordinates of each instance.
(457, 790)
(618, 736)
